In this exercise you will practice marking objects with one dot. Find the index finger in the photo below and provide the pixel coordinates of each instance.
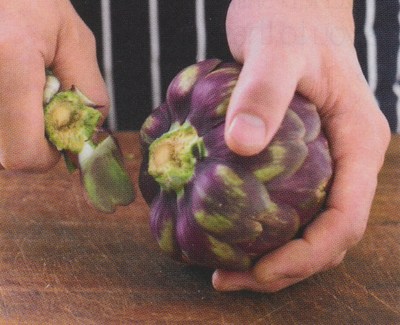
(23, 145)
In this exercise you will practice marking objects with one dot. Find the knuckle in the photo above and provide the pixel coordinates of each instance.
(355, 234)
(380, 128)
(385, 131)
(256, 86)
(88, 37)
(334, 262)
(379, 138)
(105, 110)
(80, 33)
(15, 42)
(75, 33)
(15, 163)
(339, 259)
(26, 161)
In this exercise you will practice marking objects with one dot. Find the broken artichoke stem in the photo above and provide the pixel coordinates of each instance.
(173, 157)
(71, 121)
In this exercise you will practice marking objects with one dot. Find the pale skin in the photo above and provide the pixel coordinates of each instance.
(285, 46)
(305, 46)
(35, 35)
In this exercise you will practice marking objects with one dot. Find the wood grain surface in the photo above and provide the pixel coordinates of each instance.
(62, 262)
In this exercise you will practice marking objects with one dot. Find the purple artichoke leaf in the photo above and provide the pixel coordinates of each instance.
(104, 178)
(163, 216)
(180, 89)
(147, 184)
(280, 224)
(279, 160)
(212, 105)
(308, 114)
(307, 189)
(216, 147)
(218, 197)
(201, 248)
(291, 128)
(236, 208)
(156, 124)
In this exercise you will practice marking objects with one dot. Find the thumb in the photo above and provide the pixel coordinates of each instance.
(265, 87)
(75, 61)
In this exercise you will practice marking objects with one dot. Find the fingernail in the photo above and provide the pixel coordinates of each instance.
(249, 131)
(219, 282)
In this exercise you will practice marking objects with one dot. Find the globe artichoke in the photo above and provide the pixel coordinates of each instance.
(212, 207)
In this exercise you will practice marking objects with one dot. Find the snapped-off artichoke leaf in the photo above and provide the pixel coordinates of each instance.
(71, 125)
(104, 177)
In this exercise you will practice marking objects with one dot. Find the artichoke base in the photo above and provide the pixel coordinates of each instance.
(173, 157)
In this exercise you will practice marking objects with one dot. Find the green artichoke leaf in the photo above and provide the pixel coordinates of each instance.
(104, 177)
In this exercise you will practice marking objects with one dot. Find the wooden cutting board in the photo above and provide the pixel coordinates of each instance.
(62, 262)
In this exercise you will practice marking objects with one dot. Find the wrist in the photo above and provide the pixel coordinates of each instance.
(288, 22)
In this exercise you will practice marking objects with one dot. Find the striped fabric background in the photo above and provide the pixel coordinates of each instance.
(142, 44)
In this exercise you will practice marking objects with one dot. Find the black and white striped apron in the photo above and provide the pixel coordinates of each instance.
(142, 44)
